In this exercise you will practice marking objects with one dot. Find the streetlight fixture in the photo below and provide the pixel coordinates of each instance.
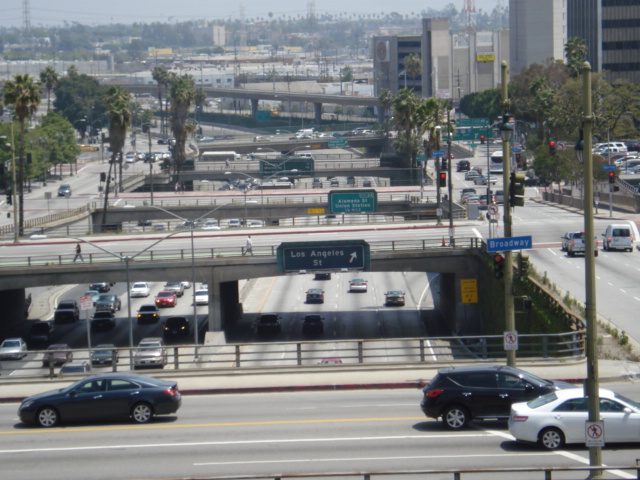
(584, 153)
(506, 134)
(192, 224)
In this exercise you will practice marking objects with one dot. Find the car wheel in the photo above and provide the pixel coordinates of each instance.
(551, 439)
(571, 254)
(455, 417)
(595, 253)
(141, 412)
(47, 417)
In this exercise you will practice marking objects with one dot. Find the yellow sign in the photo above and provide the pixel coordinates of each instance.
(315, 211)
(485, 57)
(469, 290)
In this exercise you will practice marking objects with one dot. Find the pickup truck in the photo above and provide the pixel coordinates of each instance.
(573, 243)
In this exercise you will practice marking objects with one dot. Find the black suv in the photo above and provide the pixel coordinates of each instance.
(148, 314)
(103, 320)
(176, 327)
(462, 394)
(463, 166)
(67, 311)
(268, 324)
(312, 325)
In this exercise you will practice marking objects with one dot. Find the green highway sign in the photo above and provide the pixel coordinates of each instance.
(337, 143)
(472, 122)
(327, 255)
(353, 201)
(303, 165)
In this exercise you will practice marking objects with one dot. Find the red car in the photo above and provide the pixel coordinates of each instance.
(166, 299)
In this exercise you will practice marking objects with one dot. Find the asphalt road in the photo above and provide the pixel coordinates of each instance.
(277, 433)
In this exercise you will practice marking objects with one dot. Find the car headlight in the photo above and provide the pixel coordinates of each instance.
(27, 404)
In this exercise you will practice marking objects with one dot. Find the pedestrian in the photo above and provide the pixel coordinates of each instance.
(226, 163)
(78, 253)
(249, 246)
(177, 187)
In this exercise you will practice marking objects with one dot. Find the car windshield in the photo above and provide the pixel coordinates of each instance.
(202, 292)
(543, 400)
(172, 284)
(139, 285)
(149, 346)
(165, 294)
(534, 379)
(147, 308)
(11, 343)
(57, 347)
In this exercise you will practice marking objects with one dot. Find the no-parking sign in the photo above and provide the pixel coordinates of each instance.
(594, 434)
(511, 340)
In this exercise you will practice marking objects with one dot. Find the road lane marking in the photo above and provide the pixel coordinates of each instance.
(245, 442)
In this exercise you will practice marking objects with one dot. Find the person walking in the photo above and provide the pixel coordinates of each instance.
(177, 187)
(248, 249)
(78, 253)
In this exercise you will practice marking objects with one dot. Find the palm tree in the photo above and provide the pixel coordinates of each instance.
(182, 93)
(386, 100)
(24, 94)
(413, 65)
(575, 50)
(161, 76)
(118, 115)
(405, 106)
(49, 78)
(200, 99)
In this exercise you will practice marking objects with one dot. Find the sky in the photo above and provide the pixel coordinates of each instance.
(94, 12)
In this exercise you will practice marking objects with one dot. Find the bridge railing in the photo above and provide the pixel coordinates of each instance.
(322, 354)
(164, 253)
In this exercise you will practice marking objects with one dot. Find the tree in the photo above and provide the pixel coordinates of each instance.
(413, 65)
(386, 101)
(57, 138)
(431, 114)
(182, 94)
(78, 97)
(118, 114)
(346, 74)
(24, 94)
(49, 78)
(575, 51)
(200, 100)
(161, 76)
(405, 106)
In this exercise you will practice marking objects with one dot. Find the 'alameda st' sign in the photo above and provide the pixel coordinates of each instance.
(509, 243)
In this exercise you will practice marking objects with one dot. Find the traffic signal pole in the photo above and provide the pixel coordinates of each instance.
(509, 307)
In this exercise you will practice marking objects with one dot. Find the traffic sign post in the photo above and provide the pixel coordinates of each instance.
(329, 255)
(353, 201)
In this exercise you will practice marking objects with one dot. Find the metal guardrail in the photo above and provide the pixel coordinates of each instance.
(352, 353)
(160, 254)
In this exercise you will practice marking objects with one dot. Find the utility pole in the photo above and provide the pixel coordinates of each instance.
(506, 133)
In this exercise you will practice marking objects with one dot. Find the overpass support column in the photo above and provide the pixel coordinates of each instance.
(224, 305)
(254, 109)
(317, 110)
(14, 308)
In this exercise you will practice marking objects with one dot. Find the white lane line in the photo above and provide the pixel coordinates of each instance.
(623, 291)
(636, 298)
(422, 295)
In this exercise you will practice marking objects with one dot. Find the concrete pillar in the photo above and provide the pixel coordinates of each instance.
(317, 110)
(254, 109)
(13, 308)
(215, 309)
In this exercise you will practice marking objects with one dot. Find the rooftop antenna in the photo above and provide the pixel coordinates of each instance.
(469, 11)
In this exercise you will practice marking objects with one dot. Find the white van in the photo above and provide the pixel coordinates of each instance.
(619, 236)
(613, 147)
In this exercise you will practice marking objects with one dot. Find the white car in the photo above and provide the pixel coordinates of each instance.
(186, 284)
(13, 349)
(358, 285)
(211, 226)
(558, 418)
(140, 289)
(234, 223)
(202, 297)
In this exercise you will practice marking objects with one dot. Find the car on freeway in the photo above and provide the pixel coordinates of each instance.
(104, 354)
(463, 166)
(151, 352)
(64, 190)
(13, 349)
(234, 223)
(94, 294)
(211, 226)
(41, 332)
(471, 198)
(186, 284)
(67, 311)
(559, 418)
(467, 191)
(108, 301)
(103, 320)
(358, 285)
(268, 324)
(166, 299)
(57, 354)
(471, 174)
(74, 368)
(312, 325)
(366, 183)
(148, 314)
(330, 361)
(394, 297)
(202, 297)
(176, 287)
(322, 276)
(459, 395)
(175, 327)
(140, 289)
(482, 180)
(315, 295)
(121, 396)
(498, 197)
(101, 287)
(316, 183)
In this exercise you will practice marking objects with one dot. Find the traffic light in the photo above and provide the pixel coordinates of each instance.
(516, 189)
(442, 179)
(523, 265)
(552, 148)
(498, 266)
(612, 178)
(103, 177)
(481, 139)
(444, 164)
(9, 199)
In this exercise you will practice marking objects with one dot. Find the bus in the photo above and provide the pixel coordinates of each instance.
(219, 156)
(496, 162)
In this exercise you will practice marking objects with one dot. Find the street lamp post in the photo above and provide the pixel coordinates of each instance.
(506, 133)
(14, 189)
(437, 165)
(584, 154)
(450, 183)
